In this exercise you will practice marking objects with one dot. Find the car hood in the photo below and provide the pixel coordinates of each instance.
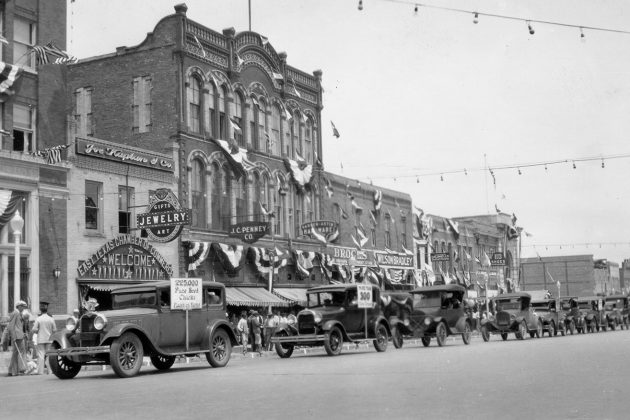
(127, 312)
(324, 312)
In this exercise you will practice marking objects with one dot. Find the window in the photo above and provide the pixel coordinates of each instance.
(125, 207)
(295, 135)
(212, 115)
(214, 297)
(279, 201)
(288, 124)
(403, 237)
(223, 106)
(257, 198)
(198, 194)
(226, 199)
(299, 207)
(252, 132)
(290, 203)
(142, 88)
(309, 207)
(308, 141)
(23, 128)
(388, 236)
(215, 196)
(262, 127)
(238, 118)
(194, 104)
(93, 192)
(83, 112)
(276, 146)
(24, 36)
(241, 200)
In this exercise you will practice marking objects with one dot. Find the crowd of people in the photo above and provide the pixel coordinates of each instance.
(255, 331)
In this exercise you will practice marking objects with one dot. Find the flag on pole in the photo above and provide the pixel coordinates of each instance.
(295, 91)
(235, 126)
(51, 155)
(334, 129)
(318, 236)
(203, 52)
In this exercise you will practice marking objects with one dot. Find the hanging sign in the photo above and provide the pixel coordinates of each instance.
(249, 232)
(186, 293)
(440, 256)
(325, 227)
(497, 259)
(165, 217)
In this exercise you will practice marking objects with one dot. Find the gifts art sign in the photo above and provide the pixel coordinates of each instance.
(165, 217)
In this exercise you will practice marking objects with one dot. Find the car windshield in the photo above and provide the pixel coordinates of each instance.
(609, 306)
(326, 299)
(544, 306)
(128, 300)
(566, 305)
(427, 300)
(584, 305)
(507, 304)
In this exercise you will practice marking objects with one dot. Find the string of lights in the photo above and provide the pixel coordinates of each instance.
(576, 244)
(528, 21)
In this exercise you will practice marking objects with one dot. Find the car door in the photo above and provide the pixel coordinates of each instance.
(172, 324)
(353, 319)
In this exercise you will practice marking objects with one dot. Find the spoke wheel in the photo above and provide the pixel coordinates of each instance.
(125, 355)
(485, 334)
(380, 343)
(441, 334)
(552, 329)
(426, 341)
(397, 338)
(62, 367)
(467, 334)
(284, 350)
(333, 341)
(539, 329)
(162, 362)
(220, 349)
(522, 331)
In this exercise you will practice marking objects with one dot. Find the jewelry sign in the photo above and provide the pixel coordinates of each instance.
(165, 217)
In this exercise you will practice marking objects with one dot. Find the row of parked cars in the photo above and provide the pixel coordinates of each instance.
(141, 323)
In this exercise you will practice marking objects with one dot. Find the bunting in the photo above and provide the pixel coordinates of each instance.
(50, 49)
(301, 172)
(231, 257)
(51, 155)
(197, 254)
(237, 157)
(318, 236)
(8, 75)
(378, 200)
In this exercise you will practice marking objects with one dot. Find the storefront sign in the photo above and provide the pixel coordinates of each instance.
(350, 256)
(186, 293)
(325, 227)
(126, 257)
(393, 260)
(165, 217)
(117, 153)
(497, 259)
(440, 256)
(249, 232)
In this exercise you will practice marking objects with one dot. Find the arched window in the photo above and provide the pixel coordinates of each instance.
(193, 93)
(226, 199)
(308, 141)
(290, 211)
(257, 198)
(216, 195)
(223, 106)
(299, 212)
(241, 200)
(275, 130)
(295, 135)
(388, 235)
(308, 207)
(198, 193)
(238, 118)
(286, 138)
(252, 133)
(280, 206)
(315, 142)
(262, 126)
(212, 115)
(265, 194)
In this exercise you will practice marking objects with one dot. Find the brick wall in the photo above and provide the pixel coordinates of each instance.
(575, 273)
(54, 246)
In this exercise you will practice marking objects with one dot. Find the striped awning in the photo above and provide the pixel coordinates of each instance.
(253, 296)
(295, 295)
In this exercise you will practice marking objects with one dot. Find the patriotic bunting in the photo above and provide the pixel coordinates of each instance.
(51, 155)
(237, 157)
(8, 75)
(301, 173)
(378, 200)
(197, 254)
(231, 257)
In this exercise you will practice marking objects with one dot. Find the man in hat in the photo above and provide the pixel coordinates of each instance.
(42, 331)
(17, 335)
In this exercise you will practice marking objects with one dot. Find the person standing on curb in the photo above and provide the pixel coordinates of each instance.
(257, 322)
(18, 338)
(42, 331)
(243, 330)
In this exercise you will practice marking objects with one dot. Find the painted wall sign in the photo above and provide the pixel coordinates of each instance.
(249, 232)
(126, 257)
(350, 256)
(117, 153)
(440, 256)
(165, 217)
(325, 227)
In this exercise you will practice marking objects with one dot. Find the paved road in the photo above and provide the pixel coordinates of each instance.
(573, 377)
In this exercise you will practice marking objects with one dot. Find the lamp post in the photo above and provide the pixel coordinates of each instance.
(56, 273)
(16, 223)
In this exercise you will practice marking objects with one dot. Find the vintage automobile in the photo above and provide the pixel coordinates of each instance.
(440, 311)
(512, 313)
(397, 309)
(333, 317)
(569, 310)
(592, 315)
(617, 311)
(141, 323)
(546, 311)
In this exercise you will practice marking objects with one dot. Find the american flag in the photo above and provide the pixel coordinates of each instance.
(60, 56)
(52, 154)
(8, 75)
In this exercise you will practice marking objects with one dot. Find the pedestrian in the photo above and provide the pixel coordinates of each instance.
(257, 323)
(250, 317)
(270, 327)
(243, 330)
(17, 335)
(42, 331)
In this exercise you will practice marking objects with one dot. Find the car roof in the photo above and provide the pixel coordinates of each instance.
(149, 286)
(336, 287)
(584, 298)
(616, 297)
(567, 297)
(513, 295)
(439, 288)
(543, 300)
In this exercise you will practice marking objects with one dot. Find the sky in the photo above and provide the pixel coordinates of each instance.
(420, 97)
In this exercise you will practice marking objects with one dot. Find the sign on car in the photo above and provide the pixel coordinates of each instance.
(186, 293)
(364, 292)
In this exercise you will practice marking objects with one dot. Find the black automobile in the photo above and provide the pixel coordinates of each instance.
(569, 310)
(512, 313)
(617, 311)
(333, 317)
(592, 316)
(545, 310)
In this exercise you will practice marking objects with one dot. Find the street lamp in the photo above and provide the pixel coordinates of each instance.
(16, 224)
(56, 273)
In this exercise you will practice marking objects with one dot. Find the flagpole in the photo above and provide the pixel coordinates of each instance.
(249, 5)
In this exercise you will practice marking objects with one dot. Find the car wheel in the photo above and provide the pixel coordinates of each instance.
(552, 329)
(397, 338)
(62, 367)
(125, 355)
(604, 327)
(284, 350)
(563, 329)
(612, 325)
(380, 343)
(333, 341)
(485, 334)
(522, 331)
(426, 341)
(220, 349)
(539, 329)
(162, 362)
(572, 327)
(441, 334)
(467, 334)
(504, 336)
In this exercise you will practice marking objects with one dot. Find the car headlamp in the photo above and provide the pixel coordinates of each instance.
(512, 317)
(100, 322)
(406, 322)
(317, 318)
(71, 324)
(427, 321)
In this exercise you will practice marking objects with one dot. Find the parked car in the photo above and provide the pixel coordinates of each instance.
(440, 311)
(141, 323)
(397, 309)
(592, 314)
(616, 308)
(512, 313)
(333, 317)
(545, 310)
(571, 316)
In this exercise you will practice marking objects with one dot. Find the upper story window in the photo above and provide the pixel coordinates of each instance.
(403, 234)
(193, 93)
(262, 127)
(125, 208)
(238, 118)
(241, 200)
(212, 115)
(274, 135)
(23, 128)
(388, 236)
(198, 193)
(308, 140)
(251, 131)
(295, 135)
(83, 112)
(286, 137)
(142, 89)
(24, 36)
(93, 194)
(216, 195)
(223, 114)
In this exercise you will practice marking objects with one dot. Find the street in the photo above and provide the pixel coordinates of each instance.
(576, 377)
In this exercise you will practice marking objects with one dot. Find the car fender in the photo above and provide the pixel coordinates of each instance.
(290, 331)
(119, 329)
(60, 338)
(461, 323)
(382, 320)
(219, 324)
(328, 325)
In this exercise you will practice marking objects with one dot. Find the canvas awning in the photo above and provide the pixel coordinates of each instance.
(104, 287)
(253, 296)
(296, 295)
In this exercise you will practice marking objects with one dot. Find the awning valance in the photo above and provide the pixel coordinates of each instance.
(253, 296)
(297, 295)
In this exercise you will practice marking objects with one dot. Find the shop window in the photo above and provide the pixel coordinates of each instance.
(23, 128)
(93, 194)
(141, 107)
(125, 208)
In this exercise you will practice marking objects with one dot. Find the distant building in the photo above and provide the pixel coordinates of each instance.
(575, 273)
(607, 280)
(624, 276)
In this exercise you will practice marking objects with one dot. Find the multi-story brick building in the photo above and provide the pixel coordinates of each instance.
(575, 273)
(37, 189)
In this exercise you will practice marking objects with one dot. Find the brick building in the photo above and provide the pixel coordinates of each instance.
(37, 189)
(576, 274)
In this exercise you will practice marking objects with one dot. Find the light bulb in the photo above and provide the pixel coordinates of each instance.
(476, 18)
(531, 30)
(360, 5)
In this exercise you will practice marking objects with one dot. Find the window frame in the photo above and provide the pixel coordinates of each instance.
(97, 206)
